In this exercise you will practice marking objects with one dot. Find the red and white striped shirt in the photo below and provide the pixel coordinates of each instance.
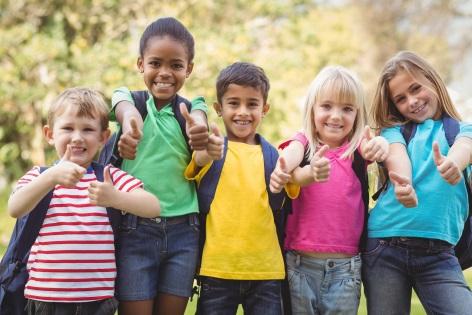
(73, 257)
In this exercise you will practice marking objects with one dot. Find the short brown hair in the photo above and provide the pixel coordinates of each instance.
(89, 103)
(243, 74)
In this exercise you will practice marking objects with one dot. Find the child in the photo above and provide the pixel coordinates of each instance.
(72, 262)
(242, 261)
(157, 258)
(414, 248)
(324, 230)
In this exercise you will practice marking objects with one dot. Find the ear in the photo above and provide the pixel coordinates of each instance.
(140, 64)
(265, 109)
(104, 136)
(217, 106)
(189, 69)
(47, 132)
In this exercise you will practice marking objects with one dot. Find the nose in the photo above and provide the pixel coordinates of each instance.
(336, 113)
(412, 100)
(76, 136)
(164, 71)
(242, 110)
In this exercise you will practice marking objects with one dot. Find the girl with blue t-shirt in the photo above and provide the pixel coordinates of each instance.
(419, 218)
(323, 232)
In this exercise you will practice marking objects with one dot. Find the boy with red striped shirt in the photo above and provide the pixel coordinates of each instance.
(72, 262)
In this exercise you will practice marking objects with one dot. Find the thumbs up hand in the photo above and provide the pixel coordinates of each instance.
(280, 176)
(374, 148)
(66, 172)
(320, 165)
(448, 169)
(215, 143)
(196, 127)
(129, 140)
(102, 193)
(404, 190)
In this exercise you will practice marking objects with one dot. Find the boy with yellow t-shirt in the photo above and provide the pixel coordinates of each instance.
(242, 261)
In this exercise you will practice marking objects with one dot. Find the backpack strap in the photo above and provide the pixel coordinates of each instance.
(178, 115)
(360, 169)
(30, 225)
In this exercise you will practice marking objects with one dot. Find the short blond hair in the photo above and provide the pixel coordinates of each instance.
(89, 103)
(347, 88)
(383, 110)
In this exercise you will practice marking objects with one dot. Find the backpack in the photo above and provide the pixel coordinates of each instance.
(13, 273)
(109, 153)
(463, 248)
(279, 203)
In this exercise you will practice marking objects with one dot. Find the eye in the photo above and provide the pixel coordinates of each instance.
(416, 88)
(89, 129)
(399, 100)
(253, 104)
(154, 63)
(67, 128)
(177, 66)
(325, 106)
(348, 109)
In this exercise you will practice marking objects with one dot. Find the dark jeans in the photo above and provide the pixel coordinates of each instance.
(392, 267)
(102, 307)
(222, 297)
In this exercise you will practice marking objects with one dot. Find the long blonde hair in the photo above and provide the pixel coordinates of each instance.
(347, 88)
(383, 110)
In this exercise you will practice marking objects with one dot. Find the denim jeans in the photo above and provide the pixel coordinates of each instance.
(222, 297)
(102, 307)
(157, 256)
(392, 267)
(324, 286)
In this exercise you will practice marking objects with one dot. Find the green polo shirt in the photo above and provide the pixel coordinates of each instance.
(162, 157)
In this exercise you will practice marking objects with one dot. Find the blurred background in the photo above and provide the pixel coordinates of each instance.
(49, 45)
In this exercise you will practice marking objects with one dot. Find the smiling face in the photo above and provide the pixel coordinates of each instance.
(84, 134)
(242, 109)
(165, 66)
(414, 97)
(334, 120)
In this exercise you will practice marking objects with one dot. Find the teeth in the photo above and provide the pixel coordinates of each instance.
(240, 122)
(161, 84)
(418, 109)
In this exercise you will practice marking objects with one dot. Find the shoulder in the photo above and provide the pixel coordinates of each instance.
(393, 135)
(465, 129)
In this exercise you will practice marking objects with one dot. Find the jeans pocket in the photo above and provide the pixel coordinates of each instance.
(373, 246)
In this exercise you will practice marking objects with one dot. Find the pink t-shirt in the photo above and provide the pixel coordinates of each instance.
(328, 217)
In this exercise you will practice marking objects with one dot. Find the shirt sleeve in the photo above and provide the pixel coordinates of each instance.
(299, 136)
(465, 130)
(124, 181)
(292, 190)
(195, 172)
(120, 94)
(27, 178)
(393, 135)
(198, 103)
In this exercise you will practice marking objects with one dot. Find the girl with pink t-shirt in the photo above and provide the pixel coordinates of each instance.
(323, 231)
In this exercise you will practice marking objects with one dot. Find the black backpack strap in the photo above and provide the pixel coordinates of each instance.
(140, 99)
(360, 169)
(451, 129)
(408, 131)
(32, 225)
(178, 115)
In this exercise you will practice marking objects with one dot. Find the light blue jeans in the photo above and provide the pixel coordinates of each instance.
(324, 286)
(392, 267)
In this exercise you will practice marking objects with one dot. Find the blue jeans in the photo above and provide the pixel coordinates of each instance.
(222, 297)
(392, 267)
(324, 286)
(157, 256)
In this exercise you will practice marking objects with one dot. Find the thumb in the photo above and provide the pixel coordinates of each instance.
(282, 164)
(215, 130)
(134, 127)
(367, 133)
(106, 175)
(186, 114)
(437, 156)
(322, 151)
(67, 154)
(398, 179)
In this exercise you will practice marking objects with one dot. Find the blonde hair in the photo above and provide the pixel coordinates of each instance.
(347, 88)
(383, 110)
(89, 103)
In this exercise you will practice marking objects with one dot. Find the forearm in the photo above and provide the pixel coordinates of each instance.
(202, 158)
(22, 201)
(398, 160)
(302, 176)
(293, 155)
(138, 202)
(461, 152)
(124, 111)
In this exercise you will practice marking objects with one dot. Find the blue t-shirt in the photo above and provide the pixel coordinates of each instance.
(442, 208)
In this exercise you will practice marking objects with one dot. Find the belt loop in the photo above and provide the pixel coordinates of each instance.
(352, 263)
(297, 260)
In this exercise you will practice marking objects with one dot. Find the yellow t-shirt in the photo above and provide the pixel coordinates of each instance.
(241, 239)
